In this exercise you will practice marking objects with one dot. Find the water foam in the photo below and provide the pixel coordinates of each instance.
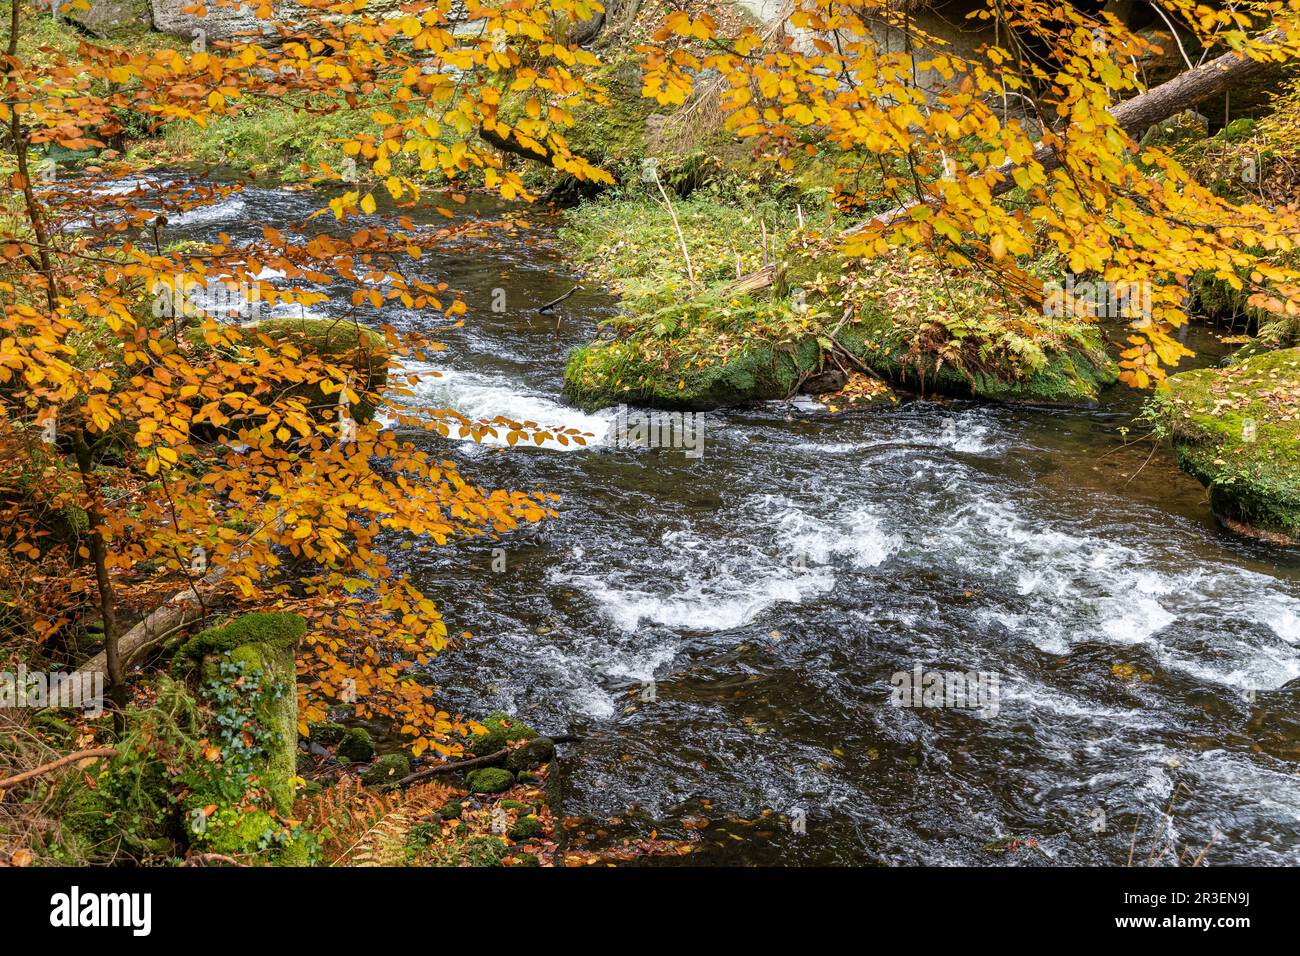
(477, 396)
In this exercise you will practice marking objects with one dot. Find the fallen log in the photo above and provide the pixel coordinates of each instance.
(483, 761)
(180, 609)
(9, 782)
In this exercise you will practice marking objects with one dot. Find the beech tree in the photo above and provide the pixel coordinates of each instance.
(216, 459)
(1024, 149)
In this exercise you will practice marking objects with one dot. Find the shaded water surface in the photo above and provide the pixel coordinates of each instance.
(723, 630)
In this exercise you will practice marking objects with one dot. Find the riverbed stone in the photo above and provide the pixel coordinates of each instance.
(489, 780)
(356, 745)
(499, 729)
(1237, 430)
(386, 770)
(111, 18)
(532, 754)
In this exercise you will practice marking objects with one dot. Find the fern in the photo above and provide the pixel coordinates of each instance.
(358, 827)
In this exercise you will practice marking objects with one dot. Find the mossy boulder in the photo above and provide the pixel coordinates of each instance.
(535, 752)
(610, 371)
(387, 770)
(489, 780)
(356, 745)
(113, 18)
(359, 354)
(1237, 430)
(525, 828)
(499, 729)
(327, 732)
(1052, 362)
(910, 321)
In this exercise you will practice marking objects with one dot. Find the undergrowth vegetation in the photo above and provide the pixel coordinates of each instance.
(692, 333)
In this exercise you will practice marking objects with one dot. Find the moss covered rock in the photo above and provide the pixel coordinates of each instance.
(356, 745)
(327, 732)
(499, 729)
(525, 828)
(1237, 430)
(609, 372)
(360, 353)
(387, 770)
(489, 780)
(532, 754)
(1052, 363)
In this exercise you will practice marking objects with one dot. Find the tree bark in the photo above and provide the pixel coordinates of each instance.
(104, 584)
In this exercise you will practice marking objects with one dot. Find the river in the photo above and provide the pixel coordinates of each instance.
(723, 630)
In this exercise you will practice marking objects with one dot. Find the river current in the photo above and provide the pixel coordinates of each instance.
(726, 631)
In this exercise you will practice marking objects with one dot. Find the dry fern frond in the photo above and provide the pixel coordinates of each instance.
(359, 827)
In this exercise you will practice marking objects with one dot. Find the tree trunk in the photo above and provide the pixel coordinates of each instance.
(99, 557)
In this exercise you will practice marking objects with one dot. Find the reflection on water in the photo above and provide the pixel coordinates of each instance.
(771, 588)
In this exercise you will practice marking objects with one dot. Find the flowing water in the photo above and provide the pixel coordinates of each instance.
(722, 630)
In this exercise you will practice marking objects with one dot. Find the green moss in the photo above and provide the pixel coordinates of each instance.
(356, 745)
(232, 831)
(386, 771)
(484, 851)
(1217, 298)
(706, 344)
(278, 713)
(326, 732)
(451, 810)
(271, 629)
(271, 140)
(489, 780)
(526, 828)
(608, 372)
(1059, 363)
(499, 729)
(1237, 430)
(535, 752)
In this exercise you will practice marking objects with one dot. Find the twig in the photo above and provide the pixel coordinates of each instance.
(690, 269)
(204, 859)
(470, 764)
(554, 302)
(63, 761)
(1143, 465)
